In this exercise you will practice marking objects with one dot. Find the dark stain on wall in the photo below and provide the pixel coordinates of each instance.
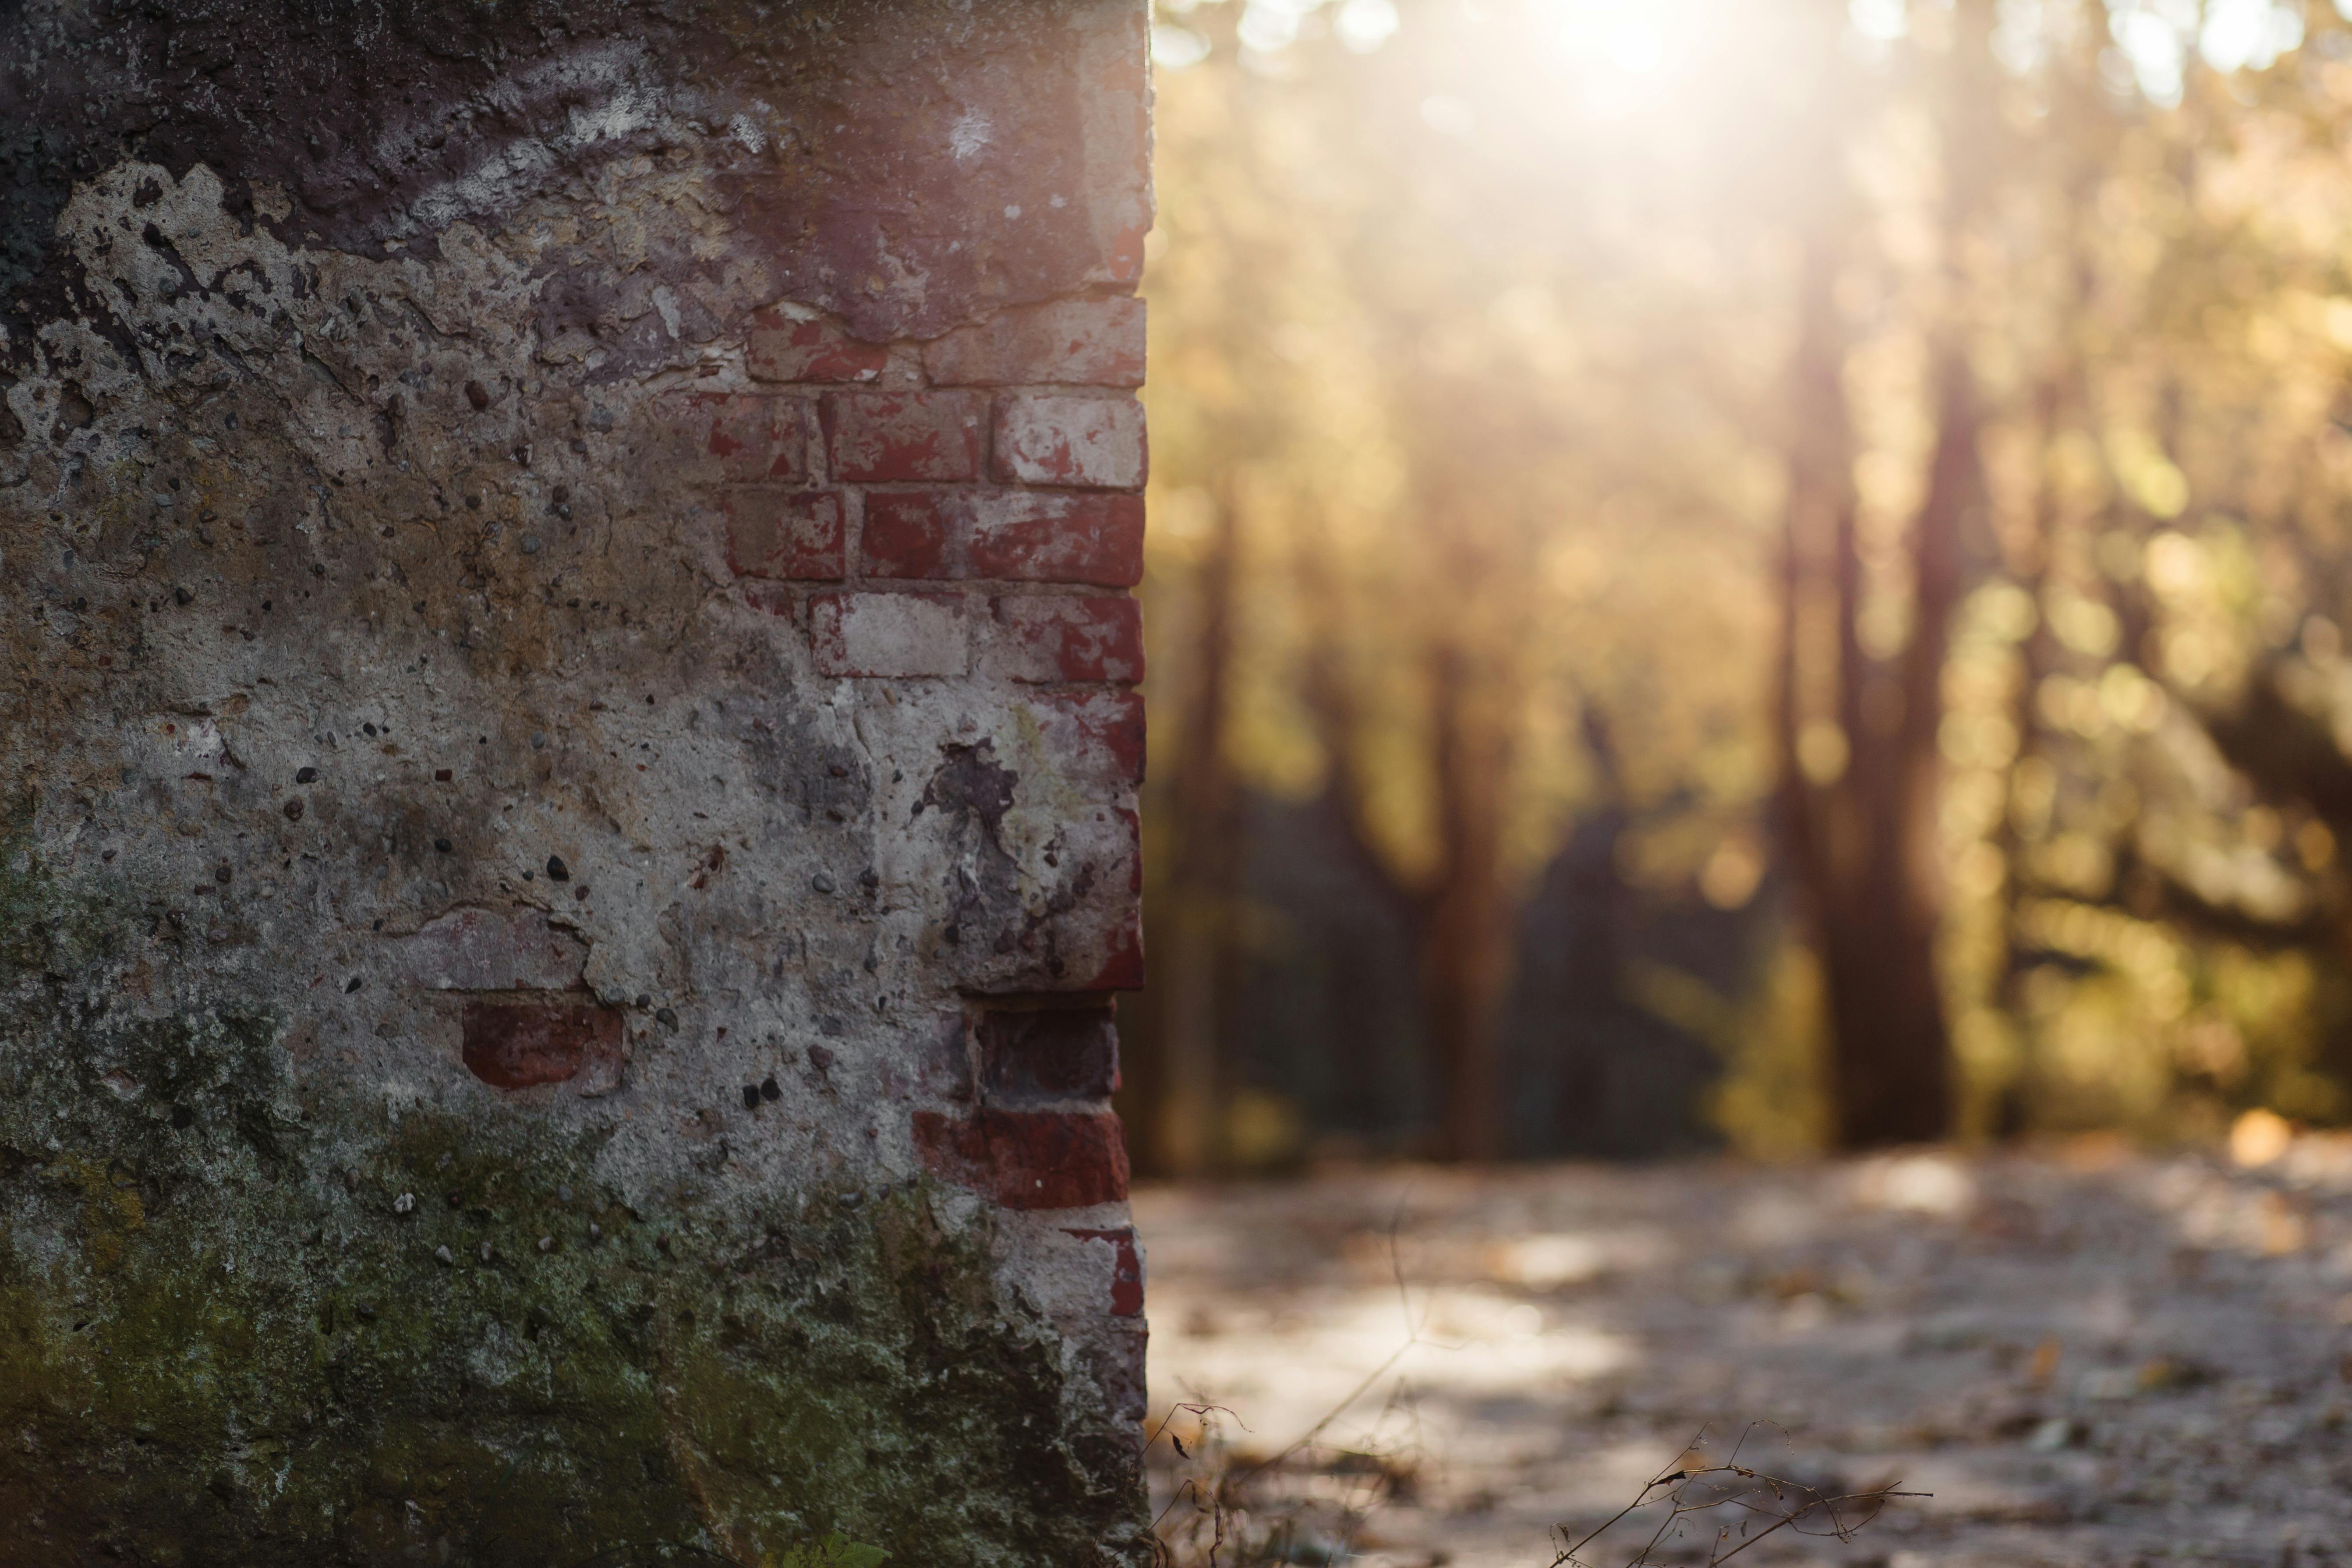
(875, 177)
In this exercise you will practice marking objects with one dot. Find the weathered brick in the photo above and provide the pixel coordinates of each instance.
(492, 950)
(521, 1044)
(1126, 1270)
(1052, 639)
(884, 437)
(910, 533)
(1095, 738)
(782, 349)
(784, 534)
(1031, 1055)
(1123, 968)
(1092, 342)
(1045, 538)
(745, 437)
(900, 636)
(1093, 443)
(1027, 1160)
(1026, 535)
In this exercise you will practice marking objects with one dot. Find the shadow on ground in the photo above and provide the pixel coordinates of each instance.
(2086, 1356)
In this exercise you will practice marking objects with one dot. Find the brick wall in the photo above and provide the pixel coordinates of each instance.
(567, 755)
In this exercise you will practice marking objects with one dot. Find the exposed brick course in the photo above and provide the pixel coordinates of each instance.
(1092, 342)
(1026, 536)
(1028, 1160)
(1038, 536)
(784, 534)
(912, 533)
(1028, 1057)
(782, 349)
(1058, 638)
(883, 437)
(749, 437)
(1096, 737)
(889, 635)
(1089, 442)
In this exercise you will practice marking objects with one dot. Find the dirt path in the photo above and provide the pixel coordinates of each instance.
(2088, 1359)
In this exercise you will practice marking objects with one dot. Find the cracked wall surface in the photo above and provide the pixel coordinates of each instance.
(567, 768)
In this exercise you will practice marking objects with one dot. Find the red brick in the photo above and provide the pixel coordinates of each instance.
(910, 533)
(1093, 443)
(521, 1044)
(1095, 738)
(901, 636)
(1037, 536)
(882, 438)
(1028, 1056)
(1027, 1160)
(1044, 538)
(780, 349)
(1089, 343)
(748, 438)
(1122, 968)
(1123, 257)
(784, 534)
(1125, 1270)
(1054, 639)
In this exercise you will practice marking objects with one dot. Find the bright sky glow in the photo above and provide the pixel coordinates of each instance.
(1620, 42)
(1364, 26)
(1173, 48)
(1634, 36)
(2155, 40)
(1268, 27)
(1881, 21)
(2156, 45)
(2241, 33)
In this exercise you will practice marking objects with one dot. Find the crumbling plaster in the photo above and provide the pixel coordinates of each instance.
(497, 987)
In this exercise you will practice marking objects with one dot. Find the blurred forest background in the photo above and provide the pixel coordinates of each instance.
(1752, 572)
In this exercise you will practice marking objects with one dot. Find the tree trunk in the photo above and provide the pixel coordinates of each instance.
(1189, 1132)
(1459, 913)
(1862, 838)
(1464, 924)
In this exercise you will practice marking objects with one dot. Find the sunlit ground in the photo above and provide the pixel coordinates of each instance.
(2087, 1356)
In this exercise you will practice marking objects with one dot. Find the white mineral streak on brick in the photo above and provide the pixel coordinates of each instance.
(900, 636)
(969, 134)
(1092, 442)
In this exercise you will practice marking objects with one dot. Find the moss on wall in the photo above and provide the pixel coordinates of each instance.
(242, 1322)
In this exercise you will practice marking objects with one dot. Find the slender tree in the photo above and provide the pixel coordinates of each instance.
(1859, 789)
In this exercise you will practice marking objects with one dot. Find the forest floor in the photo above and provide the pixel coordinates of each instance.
(2085, 1355)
